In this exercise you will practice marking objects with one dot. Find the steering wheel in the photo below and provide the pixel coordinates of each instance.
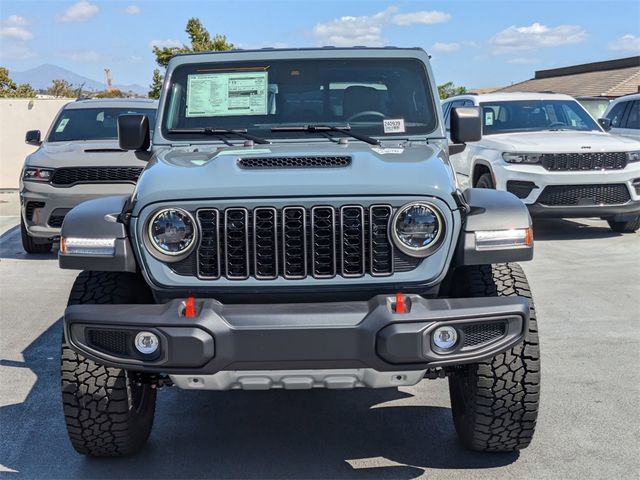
(365, 114)
(556, 124)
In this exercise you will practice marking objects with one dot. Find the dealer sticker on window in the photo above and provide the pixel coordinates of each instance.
(393, 125)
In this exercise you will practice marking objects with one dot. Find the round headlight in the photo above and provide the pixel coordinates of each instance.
(172, 231)
(417, 229)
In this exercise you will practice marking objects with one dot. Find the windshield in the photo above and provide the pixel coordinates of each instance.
(92, 123)
(534, 115)
(372, 96)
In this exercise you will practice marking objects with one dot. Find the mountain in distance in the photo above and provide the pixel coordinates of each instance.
(40, 78)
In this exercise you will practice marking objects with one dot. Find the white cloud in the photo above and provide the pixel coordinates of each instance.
(16, 21)
(19, 33)
(368, 29)
(168, 43)
(425, 18)
(132, 10)
(523, 61)
(13, 27)
(446, 47)
(627, 42)
(536, 35)
(79, 12)
(81, 56)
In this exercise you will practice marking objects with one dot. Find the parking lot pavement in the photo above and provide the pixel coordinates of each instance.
(586, 282)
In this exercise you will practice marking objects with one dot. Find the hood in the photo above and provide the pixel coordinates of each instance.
(562, 141)
(85, 153)
(194, 173)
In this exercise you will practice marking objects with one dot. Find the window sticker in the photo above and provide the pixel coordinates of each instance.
(393, 125)
(61, 125)
(227, 94)
(488, 117)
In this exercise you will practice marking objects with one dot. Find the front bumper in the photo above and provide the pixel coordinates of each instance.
(50, 204)
(347, 335)
(615, 212)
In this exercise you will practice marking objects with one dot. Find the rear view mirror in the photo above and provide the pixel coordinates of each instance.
(466, 124)
(605, 123)
(133, 132)
(33, 137)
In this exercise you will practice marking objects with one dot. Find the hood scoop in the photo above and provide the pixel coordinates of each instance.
(263, 163)
(103, 150)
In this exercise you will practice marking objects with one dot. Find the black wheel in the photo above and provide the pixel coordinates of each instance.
(495, 402)
(485, 181)
(107, 413)
(30, 244)
(629, 226)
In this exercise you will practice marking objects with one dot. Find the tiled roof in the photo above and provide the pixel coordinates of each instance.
(603, 83)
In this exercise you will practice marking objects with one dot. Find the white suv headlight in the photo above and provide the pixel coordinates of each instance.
(633, 156)
(522, 157)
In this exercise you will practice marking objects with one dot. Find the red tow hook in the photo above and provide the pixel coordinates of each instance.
(401, 306)
(190, 307)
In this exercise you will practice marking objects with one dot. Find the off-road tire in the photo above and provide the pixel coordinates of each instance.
(106, 412)
(495, 402)
(630, 226)
(485, 181)
(30, 244)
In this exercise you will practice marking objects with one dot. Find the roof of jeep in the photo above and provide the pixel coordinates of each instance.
(297, 54)
(112, 103)
(511, 96)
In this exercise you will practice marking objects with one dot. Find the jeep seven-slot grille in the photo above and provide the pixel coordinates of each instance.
(65, 177)
(584, 161)
(295, 242)
(584, 195)
(294, 162)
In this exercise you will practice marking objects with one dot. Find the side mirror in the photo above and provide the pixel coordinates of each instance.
(466, 124)
(133, 132)
(33, 138)
(605, 123)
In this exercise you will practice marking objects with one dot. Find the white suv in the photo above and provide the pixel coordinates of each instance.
(622, 116)
(548, 151)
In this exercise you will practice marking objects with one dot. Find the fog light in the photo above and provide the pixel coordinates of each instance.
(445, 337)
(147, 342)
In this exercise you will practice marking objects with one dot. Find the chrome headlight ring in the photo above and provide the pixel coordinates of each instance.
(437, 232)
(186, 226)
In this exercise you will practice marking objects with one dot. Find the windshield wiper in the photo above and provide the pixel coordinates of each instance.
(327, 128)
(241, 132)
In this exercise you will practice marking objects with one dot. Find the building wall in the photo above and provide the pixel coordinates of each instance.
(17, 115)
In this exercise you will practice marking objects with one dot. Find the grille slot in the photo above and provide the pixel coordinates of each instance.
(323, 244)
(475, 335)
(294, 242)
(111, 341)
(236, 235)
(352, 238)
(293, 162)
(584, 195)
(68, 176)
(584, 161)
(31, 206)
(265, 242)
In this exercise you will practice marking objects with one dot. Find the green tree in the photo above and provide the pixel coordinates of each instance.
(448, 89)
(156, 84)
(61, 88)
(9, 89)
(113, 93)
(201, 41)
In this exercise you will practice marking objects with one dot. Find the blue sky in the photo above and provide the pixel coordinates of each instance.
(473, 43)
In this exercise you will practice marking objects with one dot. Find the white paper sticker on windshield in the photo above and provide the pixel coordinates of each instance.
(61, 125)
(227, 94)
(488, 117)
(393, 125)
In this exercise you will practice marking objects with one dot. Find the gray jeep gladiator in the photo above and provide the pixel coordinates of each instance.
(298, 226)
